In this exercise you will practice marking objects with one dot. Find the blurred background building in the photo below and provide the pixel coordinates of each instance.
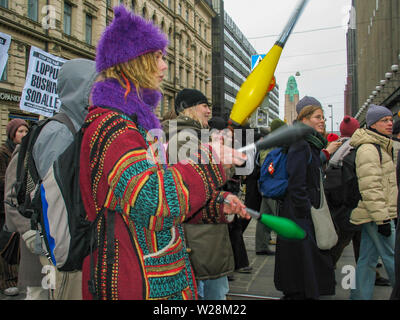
(373, 44)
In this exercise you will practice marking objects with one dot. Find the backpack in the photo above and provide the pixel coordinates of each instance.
(273, 179)
(342, 191)
(54, 205)
(350, 180)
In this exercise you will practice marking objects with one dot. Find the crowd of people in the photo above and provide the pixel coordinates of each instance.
(174, 229)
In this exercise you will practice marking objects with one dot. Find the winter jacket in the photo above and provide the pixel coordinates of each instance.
(208, 242)
(144, 200)
(376, 179)
(6, 150)
(74, 85)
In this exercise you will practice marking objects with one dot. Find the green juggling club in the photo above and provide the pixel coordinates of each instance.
(284, 227)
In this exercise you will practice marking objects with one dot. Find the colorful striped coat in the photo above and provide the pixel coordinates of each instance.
(150, 201)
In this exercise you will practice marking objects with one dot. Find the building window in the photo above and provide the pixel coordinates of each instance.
(179, 9)
(170, 39)
(108, 2)
(187, 15)
(88, 30)
(33, 8)
(67, 18)
(108, 20)
(4, 3)
(169, 70)
(133, 5)
(4, 75)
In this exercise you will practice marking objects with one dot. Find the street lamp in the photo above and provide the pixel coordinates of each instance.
(330, 106)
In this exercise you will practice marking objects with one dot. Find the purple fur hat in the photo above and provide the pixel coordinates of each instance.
(127, 37)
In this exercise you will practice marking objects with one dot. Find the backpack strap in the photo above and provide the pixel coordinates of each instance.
(378, 147)
(25, 155)
(63, 118)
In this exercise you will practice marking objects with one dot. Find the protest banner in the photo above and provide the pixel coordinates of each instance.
(5, 41)
(40, 91)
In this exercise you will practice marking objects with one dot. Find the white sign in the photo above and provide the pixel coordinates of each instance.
(40, 91)
(5, 41)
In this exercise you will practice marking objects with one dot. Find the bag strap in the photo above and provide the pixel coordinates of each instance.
(63, 118)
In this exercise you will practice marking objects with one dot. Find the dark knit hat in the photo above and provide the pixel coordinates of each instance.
(376, 113)
(187, 98)
(127, 37)
(13, 126)
(396, 128)
(348, 126)
(218, 123)
(307, 101)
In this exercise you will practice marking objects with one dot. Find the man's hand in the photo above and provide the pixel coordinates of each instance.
(233, 205)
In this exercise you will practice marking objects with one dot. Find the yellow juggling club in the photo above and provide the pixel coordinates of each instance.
(259, 82)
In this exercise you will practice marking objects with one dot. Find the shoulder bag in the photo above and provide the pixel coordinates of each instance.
(325, 232)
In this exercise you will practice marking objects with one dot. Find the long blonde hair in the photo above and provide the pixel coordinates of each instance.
(140, 71)
(191, 113)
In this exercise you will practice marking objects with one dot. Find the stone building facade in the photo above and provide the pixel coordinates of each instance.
(71, 29)
(377, 55)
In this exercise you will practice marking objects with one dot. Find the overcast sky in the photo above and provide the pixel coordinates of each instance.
(319, 56)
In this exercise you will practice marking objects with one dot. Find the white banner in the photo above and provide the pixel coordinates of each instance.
(40, 91)
(5, 41)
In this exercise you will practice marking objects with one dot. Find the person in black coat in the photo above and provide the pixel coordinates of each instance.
(302, 270)
(396, 289)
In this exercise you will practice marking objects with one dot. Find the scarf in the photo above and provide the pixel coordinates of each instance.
(316, 139)
(109, 93)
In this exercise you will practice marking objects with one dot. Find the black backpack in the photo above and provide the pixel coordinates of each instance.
(342, 190)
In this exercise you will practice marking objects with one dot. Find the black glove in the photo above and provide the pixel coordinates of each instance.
(385, 229)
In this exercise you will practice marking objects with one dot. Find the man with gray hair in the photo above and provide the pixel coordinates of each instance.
(378, 205)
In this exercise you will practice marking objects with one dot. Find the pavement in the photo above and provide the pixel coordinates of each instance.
(259, 284)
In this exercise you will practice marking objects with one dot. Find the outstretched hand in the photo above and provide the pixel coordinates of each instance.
(233, 205)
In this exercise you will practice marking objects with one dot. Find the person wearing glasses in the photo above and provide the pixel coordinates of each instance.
(302, 270)
(378, 205)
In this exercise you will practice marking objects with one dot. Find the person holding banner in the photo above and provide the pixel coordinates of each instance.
(139, 200)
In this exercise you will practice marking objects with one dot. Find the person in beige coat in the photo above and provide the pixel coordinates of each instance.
(378, 205)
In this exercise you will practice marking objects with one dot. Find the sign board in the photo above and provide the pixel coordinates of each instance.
(40, 91)
(5, 41)
(255, 60)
